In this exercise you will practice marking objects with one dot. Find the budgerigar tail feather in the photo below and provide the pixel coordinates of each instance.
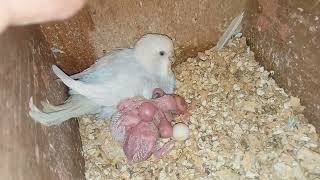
(47, 107)
(78, 86)
(75, 106)
(233, 28)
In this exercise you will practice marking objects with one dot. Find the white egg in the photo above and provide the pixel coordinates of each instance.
(180, 132)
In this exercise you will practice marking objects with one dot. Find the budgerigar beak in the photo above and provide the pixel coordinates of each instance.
(172, 59)
(169, 64)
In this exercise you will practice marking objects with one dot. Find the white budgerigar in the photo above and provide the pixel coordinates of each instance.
(121, 74)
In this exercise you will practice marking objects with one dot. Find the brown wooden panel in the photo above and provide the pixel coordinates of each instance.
(286, 38)
(27, 149)
(70, 42)
(104, 25)
(194, 25)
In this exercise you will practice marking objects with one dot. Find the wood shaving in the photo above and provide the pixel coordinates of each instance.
(243, 126)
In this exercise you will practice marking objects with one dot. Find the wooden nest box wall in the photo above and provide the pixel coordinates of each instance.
(285, 36)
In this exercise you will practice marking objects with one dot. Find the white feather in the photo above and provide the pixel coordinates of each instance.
(75, 106)
(233, 28)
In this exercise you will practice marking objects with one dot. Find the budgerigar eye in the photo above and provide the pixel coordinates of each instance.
(161, 53)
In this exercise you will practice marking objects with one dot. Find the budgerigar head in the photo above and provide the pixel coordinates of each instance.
(155, 52)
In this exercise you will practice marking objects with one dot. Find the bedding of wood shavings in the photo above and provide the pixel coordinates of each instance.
(243, 127)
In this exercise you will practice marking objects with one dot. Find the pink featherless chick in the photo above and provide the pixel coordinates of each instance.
(140, 123)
